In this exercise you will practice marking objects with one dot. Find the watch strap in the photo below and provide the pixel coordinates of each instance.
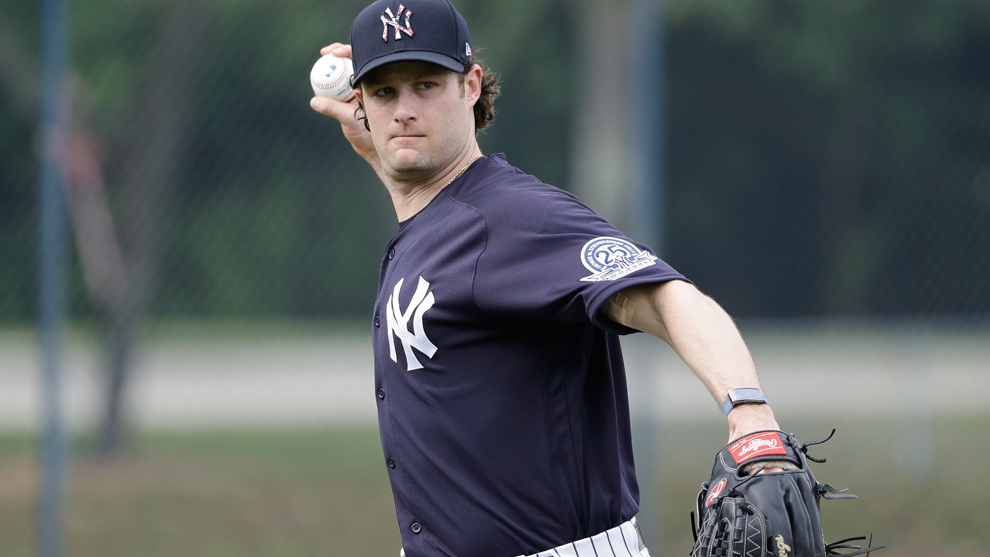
(743, 396)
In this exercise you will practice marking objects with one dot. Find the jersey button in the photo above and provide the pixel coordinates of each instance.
(381, 394)
(391, 253)
(391, 462)
(378, 322)
(416, 528)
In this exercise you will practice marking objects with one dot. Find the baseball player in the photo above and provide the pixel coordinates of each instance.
(501, 394)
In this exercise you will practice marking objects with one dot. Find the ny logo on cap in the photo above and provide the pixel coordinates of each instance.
(393, 20)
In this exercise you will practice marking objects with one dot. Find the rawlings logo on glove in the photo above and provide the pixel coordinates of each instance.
(714, 492)
(756, 444)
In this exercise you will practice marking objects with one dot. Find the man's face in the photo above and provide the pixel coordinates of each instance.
(420, 118)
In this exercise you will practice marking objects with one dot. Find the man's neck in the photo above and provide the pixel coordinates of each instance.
(412, 197)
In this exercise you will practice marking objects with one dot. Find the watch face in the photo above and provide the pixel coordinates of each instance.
(745, 395)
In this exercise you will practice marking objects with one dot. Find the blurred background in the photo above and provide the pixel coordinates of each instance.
(821, 169)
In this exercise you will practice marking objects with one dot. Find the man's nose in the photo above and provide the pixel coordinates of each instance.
(405, 109)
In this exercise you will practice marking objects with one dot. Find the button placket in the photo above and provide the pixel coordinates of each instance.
(387, 271)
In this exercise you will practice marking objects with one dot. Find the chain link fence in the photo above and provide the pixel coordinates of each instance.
(818, 167)
(832, 160)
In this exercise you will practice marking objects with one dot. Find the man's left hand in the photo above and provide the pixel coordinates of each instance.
(747, 418)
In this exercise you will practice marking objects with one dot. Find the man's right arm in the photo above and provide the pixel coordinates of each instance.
(705, 338)
(353, 128)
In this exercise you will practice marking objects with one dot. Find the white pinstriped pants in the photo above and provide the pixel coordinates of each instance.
(622, 541)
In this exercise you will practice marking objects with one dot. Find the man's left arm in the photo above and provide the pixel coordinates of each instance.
(703, 335)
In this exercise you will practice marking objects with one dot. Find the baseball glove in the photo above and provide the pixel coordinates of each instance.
(742, 513)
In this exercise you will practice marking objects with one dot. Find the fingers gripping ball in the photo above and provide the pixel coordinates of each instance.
(331, 77)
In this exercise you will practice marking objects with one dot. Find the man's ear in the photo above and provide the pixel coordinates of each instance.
(472, 85)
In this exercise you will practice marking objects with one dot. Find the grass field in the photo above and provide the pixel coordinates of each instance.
(325, 492)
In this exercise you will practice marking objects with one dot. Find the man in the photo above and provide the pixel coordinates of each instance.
(501, 394)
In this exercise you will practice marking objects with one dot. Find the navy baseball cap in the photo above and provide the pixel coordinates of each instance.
(424, 30)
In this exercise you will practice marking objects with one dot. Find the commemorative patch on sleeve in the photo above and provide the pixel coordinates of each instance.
(611, 258)
(757, 444)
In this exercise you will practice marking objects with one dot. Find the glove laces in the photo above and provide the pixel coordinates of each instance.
(834, 547)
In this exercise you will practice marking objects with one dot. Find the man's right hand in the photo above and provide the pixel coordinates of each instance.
(354, 130)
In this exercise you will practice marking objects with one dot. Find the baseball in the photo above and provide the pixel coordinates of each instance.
(331, 77)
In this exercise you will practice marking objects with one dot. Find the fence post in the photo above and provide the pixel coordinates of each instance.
(645, 222)
(51, 268)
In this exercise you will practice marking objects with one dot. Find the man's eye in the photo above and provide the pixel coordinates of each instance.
(427, 85)
(383, 91)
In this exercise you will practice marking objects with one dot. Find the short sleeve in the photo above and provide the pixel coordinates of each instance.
(549, 257)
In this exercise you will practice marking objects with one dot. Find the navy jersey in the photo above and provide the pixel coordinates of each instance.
(501, 392)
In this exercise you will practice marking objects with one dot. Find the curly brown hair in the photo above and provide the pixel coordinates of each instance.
(484, 109)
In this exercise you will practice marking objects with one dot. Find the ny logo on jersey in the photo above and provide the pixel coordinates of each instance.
(393, 20)
(398, 323)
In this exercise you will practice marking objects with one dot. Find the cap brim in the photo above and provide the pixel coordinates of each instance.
(407, 55)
